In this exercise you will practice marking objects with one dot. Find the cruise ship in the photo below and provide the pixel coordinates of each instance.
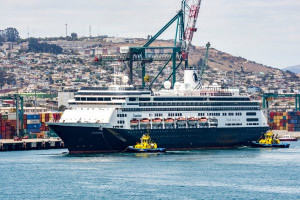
(187, 116)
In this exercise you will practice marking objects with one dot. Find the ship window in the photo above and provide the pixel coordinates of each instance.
(251, 113)
(91, 99)
(77, 98)
(100, 99)
(230, 114)
(144, 99)
(252, 119)
(132, 99)
(107, 99)
(83, 98)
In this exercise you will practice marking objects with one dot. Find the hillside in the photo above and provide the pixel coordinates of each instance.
(295, 69)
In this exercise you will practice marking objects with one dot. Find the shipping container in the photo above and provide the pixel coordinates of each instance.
(33, 121)
(32, 130)
(33, 116)
(33, 126)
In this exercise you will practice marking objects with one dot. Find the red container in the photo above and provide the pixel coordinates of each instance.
(298, 112)
(24, 116)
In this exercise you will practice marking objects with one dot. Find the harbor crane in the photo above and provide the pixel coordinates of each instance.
(177, 53)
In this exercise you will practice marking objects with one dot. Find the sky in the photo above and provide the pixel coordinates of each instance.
(264, 31)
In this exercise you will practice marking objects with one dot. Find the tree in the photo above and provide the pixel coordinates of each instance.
(35, 46)
(74, 36)
(62, 108)
(12, 34)
(2, 78)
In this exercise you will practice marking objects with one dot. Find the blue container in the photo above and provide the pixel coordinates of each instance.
(0, 136)
(284, 117)
(33, 116)
(33, 126)
(292, 113)
(33, 130)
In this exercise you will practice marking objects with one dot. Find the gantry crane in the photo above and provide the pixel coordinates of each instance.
(178, 53)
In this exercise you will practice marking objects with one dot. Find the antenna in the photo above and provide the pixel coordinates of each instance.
(27, 31)
(90, 30)
(66, 30)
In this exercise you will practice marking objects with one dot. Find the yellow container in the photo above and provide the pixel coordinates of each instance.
(284, 114)
(281, 128)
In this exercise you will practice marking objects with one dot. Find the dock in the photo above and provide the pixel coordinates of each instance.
(31, 144)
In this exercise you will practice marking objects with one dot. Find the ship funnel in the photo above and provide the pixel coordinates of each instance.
(191, 79)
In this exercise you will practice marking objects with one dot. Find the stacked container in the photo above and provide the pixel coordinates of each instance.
(289, 121)
(46, 117)
(294, 121)
(8, 128)
(33, 123)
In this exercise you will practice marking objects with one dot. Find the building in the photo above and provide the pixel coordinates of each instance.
(64, 96)
(253, 89)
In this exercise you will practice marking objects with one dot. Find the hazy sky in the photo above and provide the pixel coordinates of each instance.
(265, 31)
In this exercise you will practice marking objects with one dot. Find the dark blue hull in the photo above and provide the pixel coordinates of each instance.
(84, 139)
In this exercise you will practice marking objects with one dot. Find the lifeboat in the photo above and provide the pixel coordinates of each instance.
(169, 121)
(181, 121)
(145, 121)
(203, 120)
(192, 121)
(134, 122)
(156, 121)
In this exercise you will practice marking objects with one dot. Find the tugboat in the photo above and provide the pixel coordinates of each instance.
(269, 141)
(145, 146)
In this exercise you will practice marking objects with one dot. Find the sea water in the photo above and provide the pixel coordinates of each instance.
(240, 173)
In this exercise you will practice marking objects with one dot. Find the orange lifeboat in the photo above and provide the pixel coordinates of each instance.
(181, 121)
(145, 121)
(156, 121)
(192, 121)
(203, 120)
(134, 122)
(169, 121)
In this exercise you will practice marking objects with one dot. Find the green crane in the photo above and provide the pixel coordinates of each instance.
(177, 53)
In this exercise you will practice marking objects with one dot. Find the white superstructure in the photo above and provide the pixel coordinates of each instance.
(123, 106)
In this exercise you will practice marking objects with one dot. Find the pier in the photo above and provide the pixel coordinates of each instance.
(31, 144)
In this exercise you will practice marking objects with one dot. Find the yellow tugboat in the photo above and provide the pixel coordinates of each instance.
(268, 140)
(146, 145)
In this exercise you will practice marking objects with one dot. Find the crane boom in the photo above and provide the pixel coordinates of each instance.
(190, 26)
